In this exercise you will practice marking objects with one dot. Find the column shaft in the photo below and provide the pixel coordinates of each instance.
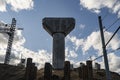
(58, 50)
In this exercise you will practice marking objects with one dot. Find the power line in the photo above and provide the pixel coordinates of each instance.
(112, 24)
(102, 55)
(97, 58)
(114, 50)
(105, 16)
(113, 35)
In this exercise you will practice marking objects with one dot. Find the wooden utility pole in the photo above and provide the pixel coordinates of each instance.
(104, 50)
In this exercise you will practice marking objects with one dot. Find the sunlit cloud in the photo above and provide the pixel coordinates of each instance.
(16, 5)
(97, 5)
(94, 41)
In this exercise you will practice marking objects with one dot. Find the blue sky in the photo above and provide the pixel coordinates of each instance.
(81, 43)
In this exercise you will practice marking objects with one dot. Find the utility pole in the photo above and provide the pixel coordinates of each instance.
(104, 50)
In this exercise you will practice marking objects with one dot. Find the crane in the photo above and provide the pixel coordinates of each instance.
(10, 30)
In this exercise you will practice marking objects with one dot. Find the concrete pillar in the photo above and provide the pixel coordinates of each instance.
(33, 72)
(97, 66)
(28, 69)
(48, 71)
(80, 72)
(31, 76)
(90, 70)
(67, 70)
(84, 73)
(58, 50)
(58, 28)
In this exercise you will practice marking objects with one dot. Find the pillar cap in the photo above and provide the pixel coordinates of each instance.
(58, 25)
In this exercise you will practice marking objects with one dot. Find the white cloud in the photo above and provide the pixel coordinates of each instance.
(2, 23)
(2, 5)
(39, 57)
(114, 62)
(82, 26)
(91, 5)
(73, 54)
(116, 7)
(75, 41)
(94, 41)
(16, 5)
(96, 5)
(70, 53)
